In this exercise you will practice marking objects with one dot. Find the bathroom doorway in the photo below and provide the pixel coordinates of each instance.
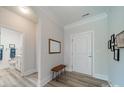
(12, 48)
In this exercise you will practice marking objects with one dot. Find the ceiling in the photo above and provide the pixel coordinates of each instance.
(30, 15)
(70, 14)
(64, 14)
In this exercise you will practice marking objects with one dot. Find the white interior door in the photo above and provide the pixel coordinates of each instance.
(82, 53)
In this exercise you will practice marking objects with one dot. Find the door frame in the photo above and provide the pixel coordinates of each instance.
(71, 50)
(23, 52)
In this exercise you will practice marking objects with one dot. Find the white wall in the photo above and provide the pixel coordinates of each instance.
(116, 25)
(98, 24)
(13, 21)
(48, 28)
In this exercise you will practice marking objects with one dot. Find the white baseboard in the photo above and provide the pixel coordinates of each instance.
(44, 81)
(110, 83)
(67, 69)
(99, 76)
(29, 72)
(113, 85)
(116, 86)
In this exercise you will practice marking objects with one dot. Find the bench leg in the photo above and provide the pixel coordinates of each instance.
(64, 71)
(57, 75)
(53, 75)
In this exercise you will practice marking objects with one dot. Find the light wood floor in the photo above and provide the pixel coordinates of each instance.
(12, 78)
(33, 78)
(74, 79)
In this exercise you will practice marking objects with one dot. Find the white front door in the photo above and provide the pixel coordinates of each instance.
(82, 52)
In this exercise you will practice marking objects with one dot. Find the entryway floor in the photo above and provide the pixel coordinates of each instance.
(12, 78)
(74, 79)
(33, 78)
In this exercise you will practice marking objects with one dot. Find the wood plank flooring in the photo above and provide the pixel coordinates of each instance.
(74, 79)
(11, 78)
(33, 78)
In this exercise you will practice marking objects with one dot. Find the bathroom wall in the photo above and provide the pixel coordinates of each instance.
(9, 37)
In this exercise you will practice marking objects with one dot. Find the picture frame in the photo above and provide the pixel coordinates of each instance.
(117, 54)
(109, 44)
(11, 45)
(112, 48)
(120, 39)
(113, 38)
(54, 46)
(1, 46)
(115, 42)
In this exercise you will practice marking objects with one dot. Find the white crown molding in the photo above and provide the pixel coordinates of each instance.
(88, 20)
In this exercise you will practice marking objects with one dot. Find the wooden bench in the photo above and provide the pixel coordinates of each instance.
(58, 71)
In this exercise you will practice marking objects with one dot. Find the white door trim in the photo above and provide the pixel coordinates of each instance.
(23, 52)
(71, 53)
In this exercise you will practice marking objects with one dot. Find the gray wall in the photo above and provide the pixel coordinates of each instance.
(116, 25)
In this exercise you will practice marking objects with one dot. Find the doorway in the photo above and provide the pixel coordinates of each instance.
(12, 42)
(82, 52)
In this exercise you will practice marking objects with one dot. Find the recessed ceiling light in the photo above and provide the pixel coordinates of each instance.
(24, 9)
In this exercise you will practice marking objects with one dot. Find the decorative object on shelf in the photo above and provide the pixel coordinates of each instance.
(109, 44)
(117, 54)
(54, 46)
(11, 45)
(120, 39)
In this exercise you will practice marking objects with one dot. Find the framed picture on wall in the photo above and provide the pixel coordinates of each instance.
(1, 46)
(115, 41)
(112, 48)
(113, 38)
(54, 46)
(11, 45)
(120, 39)
(109, 44)
(117, 54)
